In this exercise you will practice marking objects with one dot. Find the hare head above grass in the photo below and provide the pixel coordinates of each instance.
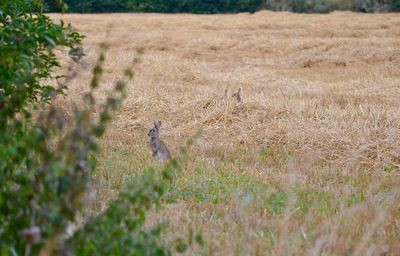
(238, 95)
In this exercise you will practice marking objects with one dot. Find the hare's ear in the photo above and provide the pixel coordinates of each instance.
(239, 91)
(158, 125)
(155, 125)
(226, 93)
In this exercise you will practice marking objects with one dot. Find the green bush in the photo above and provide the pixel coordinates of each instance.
(32, 188)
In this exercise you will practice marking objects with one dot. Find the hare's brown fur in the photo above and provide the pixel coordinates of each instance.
(158, 147)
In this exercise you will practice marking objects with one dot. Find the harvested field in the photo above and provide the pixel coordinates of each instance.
(307, 164)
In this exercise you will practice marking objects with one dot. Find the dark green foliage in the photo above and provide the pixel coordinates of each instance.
(165, 6)
(394, 5)
(30, 194)
(370, 5)
(226, 6)
(309, 6)
(324, 6)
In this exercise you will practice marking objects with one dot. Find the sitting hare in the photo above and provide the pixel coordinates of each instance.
(158, 148)
(238, 95)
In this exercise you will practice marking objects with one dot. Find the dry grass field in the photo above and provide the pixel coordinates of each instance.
(307, 164)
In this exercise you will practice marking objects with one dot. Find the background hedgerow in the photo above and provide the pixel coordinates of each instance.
(225, 6)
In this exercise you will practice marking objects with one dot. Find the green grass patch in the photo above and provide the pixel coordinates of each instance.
(274, 157)
(311, 198)
(276, 203)
(220, 186)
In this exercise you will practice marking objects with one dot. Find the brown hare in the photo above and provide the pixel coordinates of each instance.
(158, 147)
(238, 95)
